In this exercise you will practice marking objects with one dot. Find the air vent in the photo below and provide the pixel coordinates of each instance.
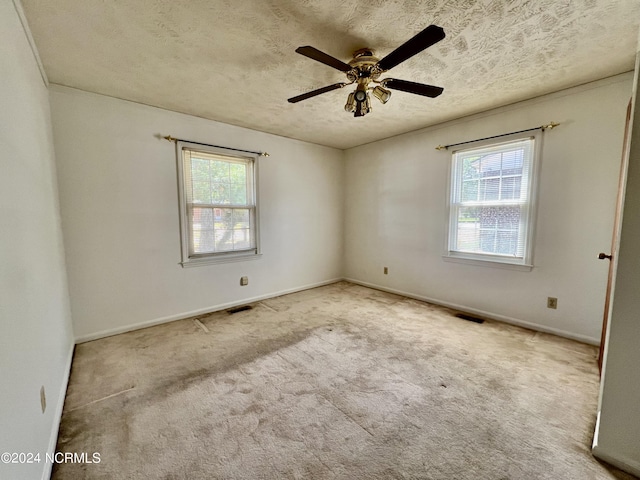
(239, 309)
(471, 318)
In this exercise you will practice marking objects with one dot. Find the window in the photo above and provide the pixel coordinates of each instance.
(491, 209)
(218, 211)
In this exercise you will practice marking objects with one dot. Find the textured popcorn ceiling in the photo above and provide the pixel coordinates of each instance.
(235, 61)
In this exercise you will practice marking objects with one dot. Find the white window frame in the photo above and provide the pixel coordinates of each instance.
(486, 259)
(188, 258)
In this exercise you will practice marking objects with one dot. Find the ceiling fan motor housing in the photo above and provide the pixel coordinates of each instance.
(364, 65)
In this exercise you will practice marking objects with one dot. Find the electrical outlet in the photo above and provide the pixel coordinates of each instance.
(552, 302)
(244, 281)
(43, 399)
(386, 270)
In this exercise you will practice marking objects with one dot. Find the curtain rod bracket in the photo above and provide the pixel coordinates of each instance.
(173, 139)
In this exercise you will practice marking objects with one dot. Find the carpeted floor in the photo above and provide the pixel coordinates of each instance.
(338, 382)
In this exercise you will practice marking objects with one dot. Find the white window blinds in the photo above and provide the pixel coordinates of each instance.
(490, 205)
(220, 202)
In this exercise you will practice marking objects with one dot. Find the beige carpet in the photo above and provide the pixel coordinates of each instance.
(338, 382)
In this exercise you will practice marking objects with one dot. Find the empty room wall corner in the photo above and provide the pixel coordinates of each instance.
(343, 216)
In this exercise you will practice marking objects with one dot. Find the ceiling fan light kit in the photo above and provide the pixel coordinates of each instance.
(350, 106)
(365, 69)
(381, 93)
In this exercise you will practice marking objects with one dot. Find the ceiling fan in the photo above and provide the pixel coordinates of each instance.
(366, 68)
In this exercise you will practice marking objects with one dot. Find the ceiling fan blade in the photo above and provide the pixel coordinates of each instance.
(413, 87)
(318, 56)
(427, 37)
(313, 93)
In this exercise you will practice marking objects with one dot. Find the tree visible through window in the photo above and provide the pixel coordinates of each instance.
(219, 207)
(490, 206)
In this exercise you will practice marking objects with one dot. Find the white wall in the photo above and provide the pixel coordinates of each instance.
(618, 436)
(396, 199)
(118, 197)
(36, 339)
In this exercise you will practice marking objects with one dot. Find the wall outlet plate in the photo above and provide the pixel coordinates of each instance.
(552, 302)
(386, 270)
(244, 281)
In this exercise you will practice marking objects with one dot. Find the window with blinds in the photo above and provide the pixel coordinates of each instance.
(490, 209)
(218, 203)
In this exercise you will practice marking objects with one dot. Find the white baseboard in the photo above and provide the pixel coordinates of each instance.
(493, 316)
(193, 313)
(214, 308)
(57, 416)
(625, 464)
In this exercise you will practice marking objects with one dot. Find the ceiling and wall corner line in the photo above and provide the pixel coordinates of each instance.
(501, 109)
(60, 87)
(27, 31)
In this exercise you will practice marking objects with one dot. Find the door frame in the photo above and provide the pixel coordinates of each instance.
(616, 235)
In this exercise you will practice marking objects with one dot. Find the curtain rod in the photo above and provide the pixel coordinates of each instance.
(549, 126)
(172, 139)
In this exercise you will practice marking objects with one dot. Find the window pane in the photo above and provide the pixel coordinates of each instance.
(490, 165)
(469, 191)
(225, 220)
(492, 230)
(490, 189)
(221, 229)
(500, 176)
(219, 171)
(512, 162)
(510, 188)
(488, 217)
(238, 173)
(487, 241)
(201, 192)
(471, 168)
(468, 229)
(203, 241)
(224, 240)
(506, 242)
(199, 170)
(202, 227)
(241, 239)
(221, 193)
(507, 217)
(238, 194)
(202, 218)
(241, 218)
